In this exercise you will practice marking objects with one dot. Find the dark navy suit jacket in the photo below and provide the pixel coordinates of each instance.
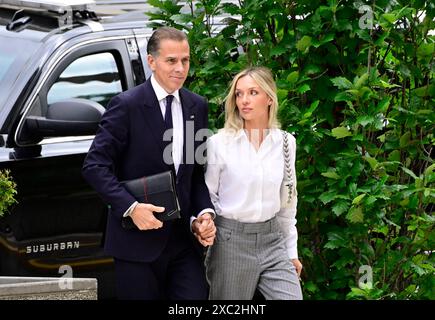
(129, 144)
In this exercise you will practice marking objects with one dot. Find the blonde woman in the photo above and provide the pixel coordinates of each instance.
(256, 241)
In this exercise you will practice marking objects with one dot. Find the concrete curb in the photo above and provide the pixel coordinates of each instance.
(45, 288)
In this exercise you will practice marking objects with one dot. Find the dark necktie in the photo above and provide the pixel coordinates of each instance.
(168, 112)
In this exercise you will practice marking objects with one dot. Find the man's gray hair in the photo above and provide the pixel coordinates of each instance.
(163, 33)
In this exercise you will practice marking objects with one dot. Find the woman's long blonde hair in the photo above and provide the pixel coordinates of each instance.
(264, 79)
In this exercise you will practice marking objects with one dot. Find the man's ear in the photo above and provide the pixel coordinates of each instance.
(151, 62)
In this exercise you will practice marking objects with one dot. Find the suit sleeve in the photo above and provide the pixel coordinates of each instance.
(104, 155)
(200, 197)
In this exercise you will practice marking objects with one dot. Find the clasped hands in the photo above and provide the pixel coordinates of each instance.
(203, 227)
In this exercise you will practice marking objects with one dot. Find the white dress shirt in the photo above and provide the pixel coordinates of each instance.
(247, 185)
(177, 120)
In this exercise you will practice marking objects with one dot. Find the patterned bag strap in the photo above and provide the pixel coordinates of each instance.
(287, 167)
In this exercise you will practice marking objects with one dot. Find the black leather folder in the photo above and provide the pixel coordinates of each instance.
(159, 190)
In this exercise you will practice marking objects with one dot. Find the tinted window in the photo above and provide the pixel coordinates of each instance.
(15, 54)
(94, 77)
(5, 62)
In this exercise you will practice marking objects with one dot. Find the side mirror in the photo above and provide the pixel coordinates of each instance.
(72, 117)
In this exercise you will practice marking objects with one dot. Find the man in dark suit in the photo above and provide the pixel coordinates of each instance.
(157, 260)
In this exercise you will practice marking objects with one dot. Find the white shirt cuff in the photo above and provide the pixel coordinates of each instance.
(130, 209)
(207, 210)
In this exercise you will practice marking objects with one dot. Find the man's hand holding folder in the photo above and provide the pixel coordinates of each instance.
(155, 193)
(143, 216)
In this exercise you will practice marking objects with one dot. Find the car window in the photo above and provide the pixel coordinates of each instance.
(5, 63)
(15, 54)
(94, 77)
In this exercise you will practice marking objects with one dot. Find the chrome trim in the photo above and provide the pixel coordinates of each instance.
(95, 26)
(65, 139)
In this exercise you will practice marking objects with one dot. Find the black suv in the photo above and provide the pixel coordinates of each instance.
(59, 66)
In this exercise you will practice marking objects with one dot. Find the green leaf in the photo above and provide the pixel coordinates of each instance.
(304, 43)
(361, 80)
(336, 240)
(331, 174)
(343, 96)
(429, 169)
(310, 287)
(422, 91)
(312, 108)
(156, 3)
(356, 293)
(372, 162)
(390, 17)
(341, 83)
(340, 207)
(403, 68)
(412, 174)
(370, 200)
(230, 8)
(353, 92)
(383, 105)
(282, 94)
(355, 215)
(424, 112)
(278, 50)
(182, 18)
(329, 37)
(311, 69)
(365, 120)
(358, 199)
(418, 183)
(367, 250)
(420, 271)
(388, 86)
(404, 139)
(303, 88)
(425, 50)
(394, 155)
(293, 77)
(327, 196)
(341, 132)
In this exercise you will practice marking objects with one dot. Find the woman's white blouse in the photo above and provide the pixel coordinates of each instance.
(247, 185)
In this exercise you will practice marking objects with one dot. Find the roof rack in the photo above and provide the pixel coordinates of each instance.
(65, 10)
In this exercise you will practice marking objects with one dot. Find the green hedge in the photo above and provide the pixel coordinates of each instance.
(356, 88)
(7, 191)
